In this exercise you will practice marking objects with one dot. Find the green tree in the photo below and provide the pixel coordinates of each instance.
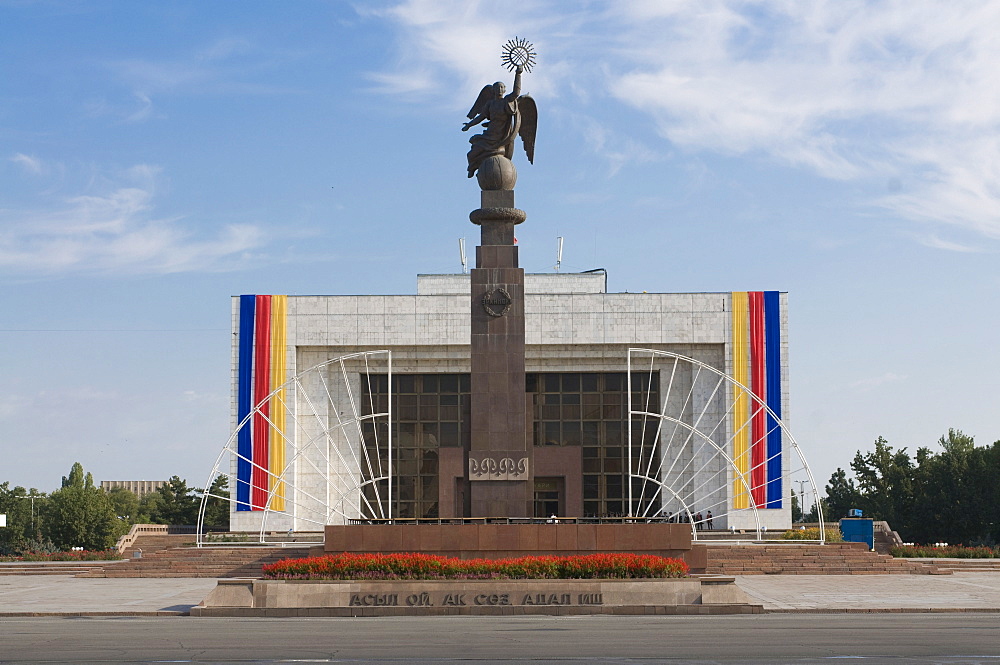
(125, 504)
(174, 503)
(841, 496)
(796, 508)
(23, 509)
(951, 495)
(886, 482)
(957, 498)
(80, 515)
(217, 504)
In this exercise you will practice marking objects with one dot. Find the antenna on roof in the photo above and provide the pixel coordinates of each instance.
(461, 251)
(559, 245)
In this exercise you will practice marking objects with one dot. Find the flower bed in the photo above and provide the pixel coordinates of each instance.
(947, 551)
(432, 567)
(79, 555)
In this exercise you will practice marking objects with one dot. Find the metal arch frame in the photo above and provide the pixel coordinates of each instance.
(230, 452)
(723, 378)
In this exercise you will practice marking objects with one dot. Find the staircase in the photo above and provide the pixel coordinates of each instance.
(962, 565)
(799, 559)
(51, 567)
(214, 561)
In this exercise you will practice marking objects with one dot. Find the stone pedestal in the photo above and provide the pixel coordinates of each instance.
(499, 469)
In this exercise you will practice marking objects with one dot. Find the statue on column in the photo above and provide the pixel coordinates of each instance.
(506, 116)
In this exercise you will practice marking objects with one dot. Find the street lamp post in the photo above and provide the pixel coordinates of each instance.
(32, 497)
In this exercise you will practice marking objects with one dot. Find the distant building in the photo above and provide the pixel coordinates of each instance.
(138, 487)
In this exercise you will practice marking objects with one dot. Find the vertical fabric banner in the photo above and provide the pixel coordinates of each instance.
(244, 395)
(741, 401)
(260, 485)
(279, 336)
(758, 378)
(772, 331)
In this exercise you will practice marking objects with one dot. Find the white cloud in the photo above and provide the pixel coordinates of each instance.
(931, 240)
(847, 90)
(116, 231)
(30, 164)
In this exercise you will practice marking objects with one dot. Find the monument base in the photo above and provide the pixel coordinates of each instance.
(287, 598)
(490, 540)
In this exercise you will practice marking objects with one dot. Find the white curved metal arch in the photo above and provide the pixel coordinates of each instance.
(733, 475)
(308, 449)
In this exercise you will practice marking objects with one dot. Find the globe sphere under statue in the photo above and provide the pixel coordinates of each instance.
(496, 172)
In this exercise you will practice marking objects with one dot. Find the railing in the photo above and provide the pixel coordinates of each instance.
(137, 530)
(511, 520)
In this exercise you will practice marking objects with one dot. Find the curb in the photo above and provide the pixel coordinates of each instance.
(160, 613)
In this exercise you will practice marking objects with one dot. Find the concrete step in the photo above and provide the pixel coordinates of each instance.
(808, 559)
(52, 567)
(201, 562)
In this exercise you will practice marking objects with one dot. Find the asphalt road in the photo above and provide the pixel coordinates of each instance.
(899, 639)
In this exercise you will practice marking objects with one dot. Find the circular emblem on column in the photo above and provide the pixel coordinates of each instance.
(497, 302)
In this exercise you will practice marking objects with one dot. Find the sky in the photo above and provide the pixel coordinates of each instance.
(158, 158)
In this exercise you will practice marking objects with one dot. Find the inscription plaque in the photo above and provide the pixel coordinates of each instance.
(497, 302)
(488, 467)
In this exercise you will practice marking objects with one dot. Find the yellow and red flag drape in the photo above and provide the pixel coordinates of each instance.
(757, 442)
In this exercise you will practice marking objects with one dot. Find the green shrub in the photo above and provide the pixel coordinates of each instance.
(832, 535)
(947, 551)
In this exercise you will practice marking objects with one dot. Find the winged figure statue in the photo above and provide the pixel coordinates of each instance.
(507, 116)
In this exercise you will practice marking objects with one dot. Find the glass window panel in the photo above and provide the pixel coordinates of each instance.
(613, 382)
(449, 413)
(571, 434)
(591, 451)
(430, 382)
(612, 412)
(591, 465)
(570, 412)
(449, 435)
(531, 383)
(430, 431)
(464, 382)
(449, 383)
(570, 398)
(592, 508)
(449, 400)
(588, 436)
(571, 383)
(612, 466)
(551, 398)
(613, 432)
(551, 383)
(405, 383)
(589, 383)
(552, 435)
(550, 412)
